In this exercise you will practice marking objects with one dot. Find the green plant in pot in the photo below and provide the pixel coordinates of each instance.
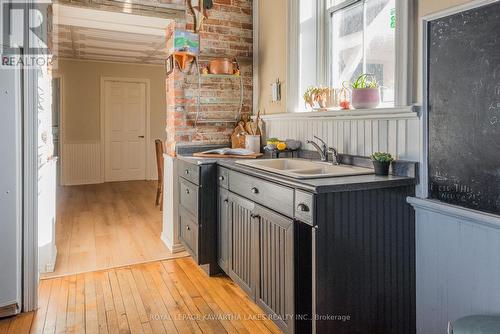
(365, 92)
(381, 162)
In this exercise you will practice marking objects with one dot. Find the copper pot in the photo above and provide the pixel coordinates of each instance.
(221, 66)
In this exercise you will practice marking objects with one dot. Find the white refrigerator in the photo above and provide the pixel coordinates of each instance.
(11, 168)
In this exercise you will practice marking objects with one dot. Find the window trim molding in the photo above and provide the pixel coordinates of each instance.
(404, 41)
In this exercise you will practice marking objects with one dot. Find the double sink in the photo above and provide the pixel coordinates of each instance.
(305, 169)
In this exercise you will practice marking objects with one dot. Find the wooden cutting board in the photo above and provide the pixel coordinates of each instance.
(211, 155)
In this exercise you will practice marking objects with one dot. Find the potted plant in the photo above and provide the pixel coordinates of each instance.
(365, 92)
(381, 162)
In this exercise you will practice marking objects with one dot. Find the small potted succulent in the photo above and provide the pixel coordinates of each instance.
(381, 162)
(365, 92)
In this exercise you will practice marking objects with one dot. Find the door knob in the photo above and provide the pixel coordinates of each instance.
(140, 136)
(255, 190)
(187, 191)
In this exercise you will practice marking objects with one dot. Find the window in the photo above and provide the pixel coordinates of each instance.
(337, 40)
(362, 37)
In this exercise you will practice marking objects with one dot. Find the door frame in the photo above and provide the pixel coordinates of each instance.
(147, 135)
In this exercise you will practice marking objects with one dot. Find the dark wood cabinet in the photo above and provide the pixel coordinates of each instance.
(316, 262)
(242, 243)
(197, 185)
(223, 230)
(275, 267)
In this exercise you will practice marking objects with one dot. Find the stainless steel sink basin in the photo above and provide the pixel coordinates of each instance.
(305, 169)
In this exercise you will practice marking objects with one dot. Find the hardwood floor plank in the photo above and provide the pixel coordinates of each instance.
(43, 302)
(4, 325)
(109, 306)
(79, 324)
(173, 296)
(193, 299)
(217, 305)
(152, 308)
(71, 308)
(245, 307)
(101, 307)
(62, 306)
(91, 323)
(131, 311)
(122, 320)
(21, 324)
(175, 306)
(51, 316)
(103, 226)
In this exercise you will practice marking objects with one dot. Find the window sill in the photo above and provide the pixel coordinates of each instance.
(377, 113)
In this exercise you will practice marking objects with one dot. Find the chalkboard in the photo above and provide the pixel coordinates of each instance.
(463, 103)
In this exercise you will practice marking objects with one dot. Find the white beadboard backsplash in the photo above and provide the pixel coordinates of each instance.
(355, 133)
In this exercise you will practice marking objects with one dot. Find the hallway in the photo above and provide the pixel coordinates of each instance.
(108, 225)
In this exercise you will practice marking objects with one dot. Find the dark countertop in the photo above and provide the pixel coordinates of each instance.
(322, 185)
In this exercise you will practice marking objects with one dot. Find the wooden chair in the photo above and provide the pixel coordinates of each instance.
(159, 166)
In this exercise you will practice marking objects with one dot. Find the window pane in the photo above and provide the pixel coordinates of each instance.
(380, 45)
(347, 44)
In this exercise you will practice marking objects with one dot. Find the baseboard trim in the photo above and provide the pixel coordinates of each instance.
(174, 248)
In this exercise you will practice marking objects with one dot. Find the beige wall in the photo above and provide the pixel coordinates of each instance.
(81, 96)
(272, 53)
(272, 46)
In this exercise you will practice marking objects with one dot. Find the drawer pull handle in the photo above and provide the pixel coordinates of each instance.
(187, 191)
(255, 190)
(186, 171)
(254, 216)
(302, 207)
(221, 178)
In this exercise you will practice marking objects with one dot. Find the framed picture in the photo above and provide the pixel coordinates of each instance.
(169, 64)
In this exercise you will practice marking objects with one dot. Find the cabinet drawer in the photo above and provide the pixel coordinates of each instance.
(304, 207)
(188, 196)
(188, 232)
(223, 177)
(271, 195)
(189, 171)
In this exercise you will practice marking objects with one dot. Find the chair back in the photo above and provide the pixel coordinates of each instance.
(159, 159)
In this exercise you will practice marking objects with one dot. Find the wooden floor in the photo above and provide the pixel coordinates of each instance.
(107, 225)
(171, 296)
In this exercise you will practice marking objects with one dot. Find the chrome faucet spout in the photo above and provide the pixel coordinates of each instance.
(323, 150)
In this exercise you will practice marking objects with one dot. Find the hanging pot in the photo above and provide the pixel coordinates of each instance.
(221, 66)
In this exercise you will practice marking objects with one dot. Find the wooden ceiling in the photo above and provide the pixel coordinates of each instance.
(108, 45)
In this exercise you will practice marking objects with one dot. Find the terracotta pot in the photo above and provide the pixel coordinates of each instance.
(221, 66)
(365, 98)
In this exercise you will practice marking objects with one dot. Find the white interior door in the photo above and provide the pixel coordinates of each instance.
(125, 130)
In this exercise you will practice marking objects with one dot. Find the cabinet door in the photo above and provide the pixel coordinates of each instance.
(275, 288)
(242, 243)
(222, 230)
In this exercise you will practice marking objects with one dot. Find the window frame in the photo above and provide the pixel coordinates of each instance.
(404, 44)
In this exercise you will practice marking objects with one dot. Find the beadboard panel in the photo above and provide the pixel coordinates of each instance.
(457, 264)
(356, 136)
(81, 163)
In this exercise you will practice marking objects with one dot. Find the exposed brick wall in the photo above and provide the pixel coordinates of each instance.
(226, 33)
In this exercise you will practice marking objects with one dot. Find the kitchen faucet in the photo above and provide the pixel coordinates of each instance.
(323, 151)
